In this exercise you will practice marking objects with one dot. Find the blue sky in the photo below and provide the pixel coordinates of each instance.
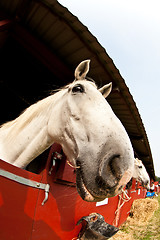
(129, 30)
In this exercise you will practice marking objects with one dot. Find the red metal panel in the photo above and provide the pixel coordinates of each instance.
(17, 205)
(25, 218)
(156, 187)
(58, 217)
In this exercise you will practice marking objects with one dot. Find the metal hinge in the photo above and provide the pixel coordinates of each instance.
(26, 182)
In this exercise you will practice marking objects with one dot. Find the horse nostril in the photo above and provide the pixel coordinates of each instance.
(114, 164)
(110, 173)
(100, 182)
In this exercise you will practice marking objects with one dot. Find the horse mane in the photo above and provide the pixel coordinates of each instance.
(35, 110)
(27, 115)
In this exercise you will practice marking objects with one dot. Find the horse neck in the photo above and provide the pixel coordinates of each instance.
(27, 136)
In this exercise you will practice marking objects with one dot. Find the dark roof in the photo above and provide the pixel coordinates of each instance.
(51, 41)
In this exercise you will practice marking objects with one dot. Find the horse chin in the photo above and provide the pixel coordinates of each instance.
(87, 196)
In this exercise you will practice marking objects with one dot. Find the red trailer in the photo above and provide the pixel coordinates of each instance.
(156, 187)
(46, 206)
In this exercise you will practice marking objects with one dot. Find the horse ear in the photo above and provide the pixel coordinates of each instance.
(137, 162)
(82, 70)
(106, 89)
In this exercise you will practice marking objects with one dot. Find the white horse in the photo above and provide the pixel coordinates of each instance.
(78, 118)
(140, 174)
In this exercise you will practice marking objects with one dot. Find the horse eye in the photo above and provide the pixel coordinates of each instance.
(78, 88)
(140, 166)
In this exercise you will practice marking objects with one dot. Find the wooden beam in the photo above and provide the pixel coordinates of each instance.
(41, 52)
(5, 24)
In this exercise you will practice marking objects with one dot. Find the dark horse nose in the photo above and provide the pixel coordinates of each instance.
(109, 173)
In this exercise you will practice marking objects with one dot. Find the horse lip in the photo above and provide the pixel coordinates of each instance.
(82, 189)
(88, 196)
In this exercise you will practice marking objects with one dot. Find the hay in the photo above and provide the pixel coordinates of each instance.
(122, 236)
(141, 212)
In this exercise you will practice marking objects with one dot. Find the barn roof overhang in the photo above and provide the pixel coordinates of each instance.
(59, 41)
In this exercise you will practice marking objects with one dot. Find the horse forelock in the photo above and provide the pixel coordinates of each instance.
(86, 80)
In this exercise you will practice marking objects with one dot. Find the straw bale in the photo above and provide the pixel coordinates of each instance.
(142, 210)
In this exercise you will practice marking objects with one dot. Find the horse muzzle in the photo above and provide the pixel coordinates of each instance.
(146, 185)
(108, 181)
(113, 175)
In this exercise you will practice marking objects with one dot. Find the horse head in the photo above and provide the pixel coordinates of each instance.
(140, 174)
(93, 138)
